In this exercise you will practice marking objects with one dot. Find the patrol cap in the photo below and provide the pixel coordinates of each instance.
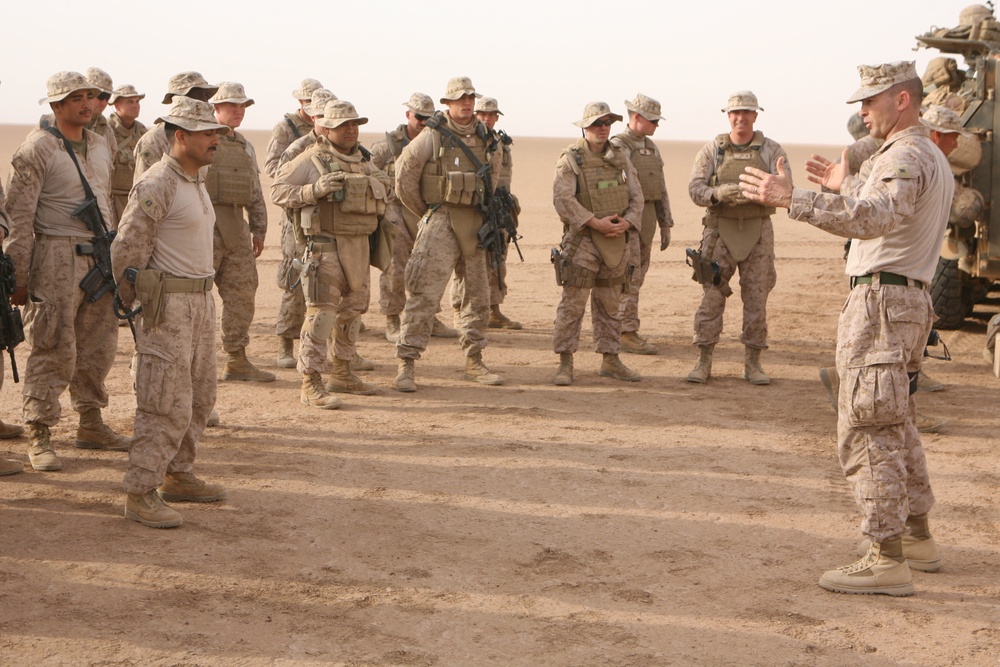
(943, 119)
(458, 87)
(230, 91)
(420, 104)
(879, 78)
(306, 89)
(488, 105)
(181, 84)
(192, 115)
(645, 106)
(100, 80)
(318, 101)
(338, 112)
(742, 100)
(128, 90)
(62, 84)
(594, 111)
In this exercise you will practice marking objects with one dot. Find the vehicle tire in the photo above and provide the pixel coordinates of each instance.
(947, 295)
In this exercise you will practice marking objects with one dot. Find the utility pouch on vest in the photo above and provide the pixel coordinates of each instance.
(460, 188)
(308, 222)
(363, 194)
(432, 188)
(149, 292)
(381, 243)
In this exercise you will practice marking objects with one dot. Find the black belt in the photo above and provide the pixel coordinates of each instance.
(886, 278)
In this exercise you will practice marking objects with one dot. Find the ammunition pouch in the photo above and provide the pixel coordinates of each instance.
(455, 188)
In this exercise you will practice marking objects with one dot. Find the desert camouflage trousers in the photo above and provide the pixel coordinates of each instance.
(880, 340)
(392, 282)
(292, 310)
(334, 297)
(628, 307)
(757, 279)
(236, 280)
(435, 255)
(497, 274)
(174, 389)
(603, 302)
(71, 341)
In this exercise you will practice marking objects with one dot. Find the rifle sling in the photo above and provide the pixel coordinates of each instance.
(87, 191)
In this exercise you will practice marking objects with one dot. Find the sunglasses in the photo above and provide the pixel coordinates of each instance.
(603, 123)
(422, 119)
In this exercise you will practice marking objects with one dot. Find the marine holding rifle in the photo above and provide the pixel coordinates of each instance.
(597, 195)
(58, 180)
(445, 177)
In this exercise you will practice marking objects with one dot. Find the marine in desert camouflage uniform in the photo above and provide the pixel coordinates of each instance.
(895, 210)
(291, 127)
(738, 235)
(72, 340)
(99, 124)
(152, 145)
(643, 119)
(597, 195)
(233, 183)
(7, 431)
(439, 183)
(128, 130)
(168, 227)
(338, 196)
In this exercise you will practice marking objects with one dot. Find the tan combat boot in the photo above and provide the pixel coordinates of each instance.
(8, 431)
(703, 369)
(441, 330)
(831, 382)
(926, 383)
(564, 376)
(344, 381)
(752, 372)
(286, 352)
(149, 510)
(10, 467)
(929, 423)
(359, 363)
(40, 452)
(314, 394)
(184, 487)
(239, 369)
(882, 570)
(500, 321)
(213, 419)
(406, 377)
(919, 548)
(392, 328)
(476, 371)
(93, 433)
(612, 367)
(633, 343)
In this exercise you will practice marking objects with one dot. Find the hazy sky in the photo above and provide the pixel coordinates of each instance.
(542, 60)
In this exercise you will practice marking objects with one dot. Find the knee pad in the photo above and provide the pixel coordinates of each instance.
(320, 322)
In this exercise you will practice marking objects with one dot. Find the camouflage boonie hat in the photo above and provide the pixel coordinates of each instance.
(128, 90)
(974, 14)
(230, 91)
(645, 106)
(319, 98)
(856, 126)
(181, 84)
(488, 105)
(944, 120)
(457, 88)
(420, 104)
(879, 78)
(306, 89)
(100, 80)
(742, 100)
(62, 84)
(338, 112)
(593, 111)
(192, 115)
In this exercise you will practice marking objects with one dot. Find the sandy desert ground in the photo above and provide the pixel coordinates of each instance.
(608, 523)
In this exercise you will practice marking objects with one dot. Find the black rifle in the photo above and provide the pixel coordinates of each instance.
(11, 326)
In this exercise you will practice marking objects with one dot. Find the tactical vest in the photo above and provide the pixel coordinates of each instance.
(230, 178)
(451, 177)
(298, 126)
(729, 165)
(506, 167)
(124, 164)
(648, 165)
(397, 140)
(354, 211)
(600, 180)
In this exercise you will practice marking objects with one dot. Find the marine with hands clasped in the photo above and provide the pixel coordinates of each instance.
(738, 235)
(124, 122)
(895, 211)
(597, 195)
(72, 339)
(338, 196)
(162, 257)
(643, 119)
(439, 179)
(233, 184)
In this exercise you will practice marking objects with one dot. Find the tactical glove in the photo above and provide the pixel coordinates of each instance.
(728, 193)
(328, 184)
